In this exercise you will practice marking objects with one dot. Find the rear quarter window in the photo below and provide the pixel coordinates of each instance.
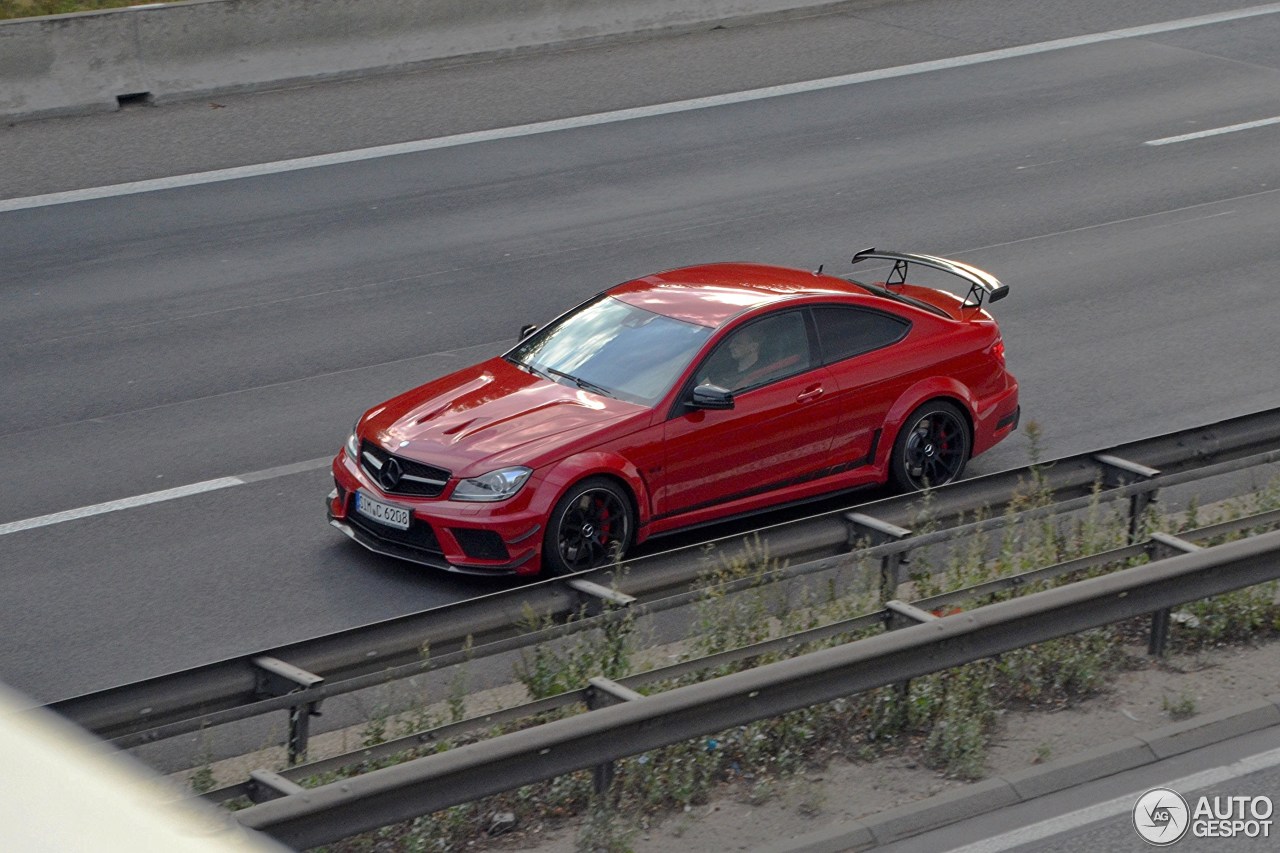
(844, 331)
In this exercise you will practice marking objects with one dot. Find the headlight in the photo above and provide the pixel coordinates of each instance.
(353, 446)
(494, 486)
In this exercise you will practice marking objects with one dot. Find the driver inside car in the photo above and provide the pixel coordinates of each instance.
(742, 362)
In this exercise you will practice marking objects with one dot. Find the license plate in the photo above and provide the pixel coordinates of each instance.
(383, 513)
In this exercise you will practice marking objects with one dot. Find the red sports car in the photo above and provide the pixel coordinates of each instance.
(676, 399)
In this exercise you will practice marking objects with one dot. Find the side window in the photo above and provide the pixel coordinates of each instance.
(759, 352)
(845, 331)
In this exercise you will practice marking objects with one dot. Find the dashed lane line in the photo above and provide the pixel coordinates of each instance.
(1216, 131)
(614, 116)
(161, 496)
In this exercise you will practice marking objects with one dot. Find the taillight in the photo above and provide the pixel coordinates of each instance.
(998, 351)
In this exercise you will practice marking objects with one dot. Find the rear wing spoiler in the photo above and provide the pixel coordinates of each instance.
(981, 284)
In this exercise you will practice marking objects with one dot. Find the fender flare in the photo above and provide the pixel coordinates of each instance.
(600, 463)
(934, 388)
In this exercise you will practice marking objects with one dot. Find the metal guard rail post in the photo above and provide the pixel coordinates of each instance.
(942, 604)
(229, 690)
(425, 785)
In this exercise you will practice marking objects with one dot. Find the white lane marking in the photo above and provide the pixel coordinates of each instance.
(286, 470)
(164, 495)
(1118, 806)
(1217, 131)
(312, 464)
(117, 505)
(629, 114)
(1145, 217)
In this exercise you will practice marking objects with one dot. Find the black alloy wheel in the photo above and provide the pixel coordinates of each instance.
(932, 448)
(591, 526)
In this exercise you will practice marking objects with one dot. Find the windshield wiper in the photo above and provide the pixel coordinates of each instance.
(581, 383)
(529, 367)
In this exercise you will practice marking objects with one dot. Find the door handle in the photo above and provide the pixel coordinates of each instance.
(810, 395)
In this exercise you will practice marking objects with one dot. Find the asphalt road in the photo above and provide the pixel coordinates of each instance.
(218, 338)
(1099, 816)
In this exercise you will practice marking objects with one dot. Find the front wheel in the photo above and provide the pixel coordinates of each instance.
(591, 526)
(932, 448)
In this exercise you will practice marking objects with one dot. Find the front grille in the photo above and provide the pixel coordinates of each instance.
(396, 475)
(419, 535)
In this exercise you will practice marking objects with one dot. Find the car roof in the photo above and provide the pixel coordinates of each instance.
(711, 294)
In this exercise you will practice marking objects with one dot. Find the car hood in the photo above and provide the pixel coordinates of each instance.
(493, 415)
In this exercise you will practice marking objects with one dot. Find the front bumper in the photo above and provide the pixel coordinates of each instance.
(501, 538)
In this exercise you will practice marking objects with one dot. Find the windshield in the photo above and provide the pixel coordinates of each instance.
(612, 348)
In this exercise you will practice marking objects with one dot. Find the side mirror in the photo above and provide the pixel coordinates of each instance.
(526, 331)
(711, 397)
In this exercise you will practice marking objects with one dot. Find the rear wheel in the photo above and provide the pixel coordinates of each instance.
(932, 448)
(591, 526)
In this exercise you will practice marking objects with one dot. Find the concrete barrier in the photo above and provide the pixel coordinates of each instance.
(88, 62)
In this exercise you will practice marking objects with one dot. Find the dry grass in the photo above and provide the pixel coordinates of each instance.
(10, 9)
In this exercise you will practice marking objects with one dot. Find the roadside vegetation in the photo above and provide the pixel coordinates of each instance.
(946, 721)
(10, 9)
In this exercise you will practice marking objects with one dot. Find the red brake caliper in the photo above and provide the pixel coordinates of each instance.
(602, 509)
